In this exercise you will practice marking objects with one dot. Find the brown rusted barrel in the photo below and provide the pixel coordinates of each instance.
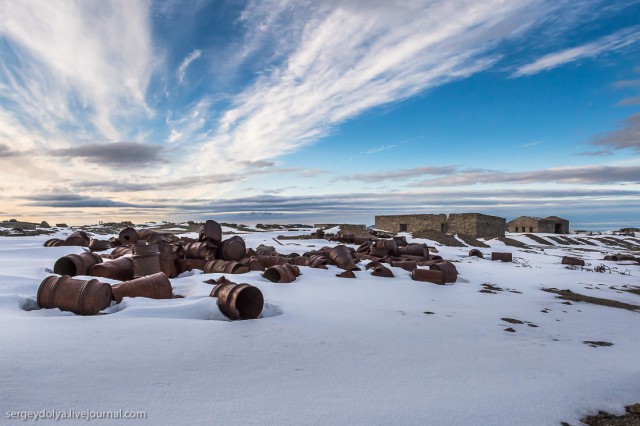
(76, 264)
(146, 259)
(114, 242)
(448, 269)
(78, 238)
(239, 301)
(391, 246)
(282, 273)
(55, 242)
(435, 257)
(407, 265)
(312, 261)
(269, 261)
(211, 231)
(128, 235)
(225, 267)
(612, 257)
(568, 260)
(120, 269)
(476, 253)
(99, 245)
(155, 286)
(121, 251)
(364, 256)
(185, 265)
(382, 271)
(346, 274)
(428, 275)
(341, 256)
(378, 252)
(200, 250)
(154, 237)
(504, 257)
(82, 297)
(419, 250)
(401, 241)
(169, 254)
(252, 263)
(233, 248)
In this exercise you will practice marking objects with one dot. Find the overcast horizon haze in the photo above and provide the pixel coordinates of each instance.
(282, 111)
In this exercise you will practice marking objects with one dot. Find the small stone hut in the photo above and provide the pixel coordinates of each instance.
(550, 225)
(476, 225)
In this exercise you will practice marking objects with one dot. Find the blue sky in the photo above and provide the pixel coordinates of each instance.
(319, 111)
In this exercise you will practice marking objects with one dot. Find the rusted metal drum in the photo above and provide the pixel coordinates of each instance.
(122, 251)
(76, 264)
(146, 259)
(568, 260)
(435, 257)
(407, 265)
(382, 271)
(99, 245)
(419, 250)
(82, 297)
(154, 237)
(364, 256)
(476, 253)
(239, 301)
(114, 242)
(346, 274)
(391, 246)
(378, 252)
(252, 263)
(427, 275)
(269, 261)
(504, 257)
(361, 240)
(78, 238)
(211, 231)
(341, 256)
(372, 265)
(401, 241)
(128, 235)
(233, 248)
(612, 257)
(365, 247)
(312, 261)
(185, 265)
(282, 273)
(200, 250)
(55, 242)
(169, 254)
(225, 267)
(448, 269)
(120, 269)
(155, 286)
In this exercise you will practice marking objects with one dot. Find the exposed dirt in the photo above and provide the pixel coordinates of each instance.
(538, 239)
(513, 243)
(470, 241)
(577, 297)
(439, 237)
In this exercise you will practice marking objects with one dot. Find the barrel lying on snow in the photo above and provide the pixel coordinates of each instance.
(120, 269)
(82, 297)
(503, 257)
(239, 301)
(76, 264)
(448, 269)
(156, 286)
(428, 275)
(574, 261)
(282, 273)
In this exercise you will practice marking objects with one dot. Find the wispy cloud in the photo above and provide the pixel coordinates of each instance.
(626, 137)
(380, 148)
(182, 69)
(404, 174)
(615, 41)
(118, 154)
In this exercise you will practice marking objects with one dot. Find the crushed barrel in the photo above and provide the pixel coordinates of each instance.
(120, 269)
(200, 250)
(341, 256)
(382, 271)
(155, 286)
(225, 267)
(476, 253)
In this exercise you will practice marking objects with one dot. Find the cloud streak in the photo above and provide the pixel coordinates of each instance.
(182, 69)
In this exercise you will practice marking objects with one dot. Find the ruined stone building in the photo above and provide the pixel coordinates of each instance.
(476, 225)
(551, 225)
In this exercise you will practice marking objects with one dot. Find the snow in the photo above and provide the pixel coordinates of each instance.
(329, 350)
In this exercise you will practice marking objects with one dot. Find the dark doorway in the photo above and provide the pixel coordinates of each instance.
(403, 227)
(531, 229)
(558, 228)
(443, 227)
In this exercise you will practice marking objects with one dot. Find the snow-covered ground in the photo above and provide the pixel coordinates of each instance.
(329, 350)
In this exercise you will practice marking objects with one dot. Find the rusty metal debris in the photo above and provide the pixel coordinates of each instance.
(185, 265)
(346, 274)
(238, 301)
(200, 250)
(382, 271)
(568, 260)
(99, 245)
(82, 297)
(448, 269)
(407, 265)
(282, 273)
(76, 264)
(146, 259)
(504, 257)
(341, 256)
(233, 248)
(211, 231)
(476, 253)
(128, 235)
(225, 266)
(428, 275)
(155, 286)
(120, 269)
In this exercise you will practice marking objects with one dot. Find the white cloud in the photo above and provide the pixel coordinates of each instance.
(182, 69)
(616, 41)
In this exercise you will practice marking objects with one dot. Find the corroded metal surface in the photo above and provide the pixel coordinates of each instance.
(233, 248)
(78, 238)
(76, 264)
(407, 265)
(146, 259)
(239, 301)
(476, 253)
(82, 297)
(99, 245)
(122, 251)
(225, 267)
(574, 261)
(346, 274)
(184, 265)
(426, 275)
(282, 273)
(211, 231)
(382, 271)
(418, 250)
(342, 257)
(448, 269)
(200, 250)
(504, 257)
(155, 286)
(128, 235)
(120, 269)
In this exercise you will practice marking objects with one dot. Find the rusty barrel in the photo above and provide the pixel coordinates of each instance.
(211, 231)
(312, 261)
(418, 250)
(382, 271)
(390, 245)
(128, 235)
(269, 261)
(407, 265)
(476, 253)
(169, 254)
(122, 250)
(120, 269)
(239, 301)
(225, 267)
(78, 238)
(448, 269)
(154, 237)
(82, 297)
(155, 286)
(233, 248)
(401, 241)
(504, 257)
(282, 273)
(346, 274)
(568, 260)
(378, 252)
(99, 245)
(76, 264)
(341, 256)
(252, 263)
(200, 250)
(146, 259)
(612, 257)
(428, 275)
(55, 242)
(184, 265)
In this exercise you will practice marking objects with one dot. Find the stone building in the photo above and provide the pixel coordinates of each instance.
(550, 225)
(476, 225)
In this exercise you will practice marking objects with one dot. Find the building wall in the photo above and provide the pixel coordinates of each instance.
(534, 224)
(414, 222)
(489, 226)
